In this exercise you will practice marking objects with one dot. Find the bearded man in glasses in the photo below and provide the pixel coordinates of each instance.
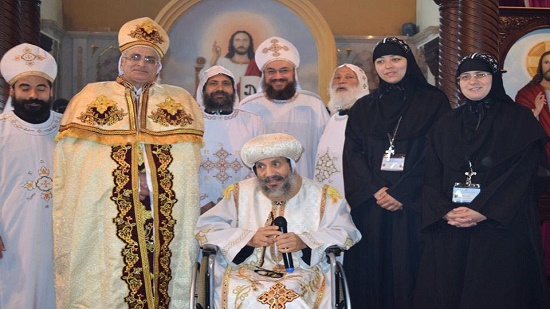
(282, 104)
(251, 265)
(126, 179)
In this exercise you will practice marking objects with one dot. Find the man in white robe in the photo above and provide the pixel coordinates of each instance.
(226, 129)
(250, 272)
(26, 155)
(283, 106)
(348, 83)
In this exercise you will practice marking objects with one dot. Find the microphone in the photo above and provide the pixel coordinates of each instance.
(287, 257)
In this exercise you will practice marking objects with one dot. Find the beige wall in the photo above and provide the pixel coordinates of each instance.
(366, 17)
(52, 10)
(345, 17)
(106, 15)
(427, 14)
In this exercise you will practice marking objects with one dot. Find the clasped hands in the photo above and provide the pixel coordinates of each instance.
(464, 217)
(270, 235)
(386, 201)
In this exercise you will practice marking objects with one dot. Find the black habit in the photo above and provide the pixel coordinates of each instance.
(381, 268)
(498, 262)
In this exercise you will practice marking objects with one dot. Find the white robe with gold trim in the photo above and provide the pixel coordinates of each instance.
(317, 214)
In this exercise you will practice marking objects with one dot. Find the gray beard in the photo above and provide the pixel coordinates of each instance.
(342, 100)
(283, 191)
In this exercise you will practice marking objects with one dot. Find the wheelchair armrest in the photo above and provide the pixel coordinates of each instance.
(209, 249)
(334, 249)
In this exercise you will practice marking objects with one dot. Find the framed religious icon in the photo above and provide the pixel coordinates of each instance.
(524, 36)
(202, 33)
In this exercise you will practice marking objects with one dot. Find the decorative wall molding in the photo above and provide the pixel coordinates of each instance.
(516, 22)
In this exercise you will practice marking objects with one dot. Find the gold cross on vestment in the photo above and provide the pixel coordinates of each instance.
(277, 296)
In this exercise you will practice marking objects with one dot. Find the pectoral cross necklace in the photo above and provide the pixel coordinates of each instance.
(469, 174)
(391, 150)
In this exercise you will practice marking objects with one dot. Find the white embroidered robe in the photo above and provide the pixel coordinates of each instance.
(317, 214)
(26, 158)
(224, 135)
(328, 164)
(304, 116)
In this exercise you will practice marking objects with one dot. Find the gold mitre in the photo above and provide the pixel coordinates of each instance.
(143, 31)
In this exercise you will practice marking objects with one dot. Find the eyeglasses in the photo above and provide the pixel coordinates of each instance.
(281, 71)
(268, 273)
(135, 58)
(467, 77)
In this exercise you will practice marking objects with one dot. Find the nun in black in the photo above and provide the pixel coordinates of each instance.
(383, 172)
(483, 244)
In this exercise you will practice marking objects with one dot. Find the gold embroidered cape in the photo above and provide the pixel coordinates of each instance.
(110, 250)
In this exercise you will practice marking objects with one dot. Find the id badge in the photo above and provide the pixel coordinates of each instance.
(465, 194)
(394, 163)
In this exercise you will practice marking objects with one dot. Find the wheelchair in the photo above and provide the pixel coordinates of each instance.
(202, 284)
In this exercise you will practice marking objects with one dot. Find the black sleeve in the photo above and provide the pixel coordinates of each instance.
(360, 183)
(306, 257)
(245, 252)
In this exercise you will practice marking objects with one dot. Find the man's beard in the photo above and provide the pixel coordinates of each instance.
(342, 99)
(33, 110)
(278, 192)
(286, 93)
(223, 106)
(546, 76)
(241, 52)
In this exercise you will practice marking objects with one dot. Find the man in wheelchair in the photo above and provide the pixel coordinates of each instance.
(250, 271)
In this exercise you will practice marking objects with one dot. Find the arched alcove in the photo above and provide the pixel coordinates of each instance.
(307, 13)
